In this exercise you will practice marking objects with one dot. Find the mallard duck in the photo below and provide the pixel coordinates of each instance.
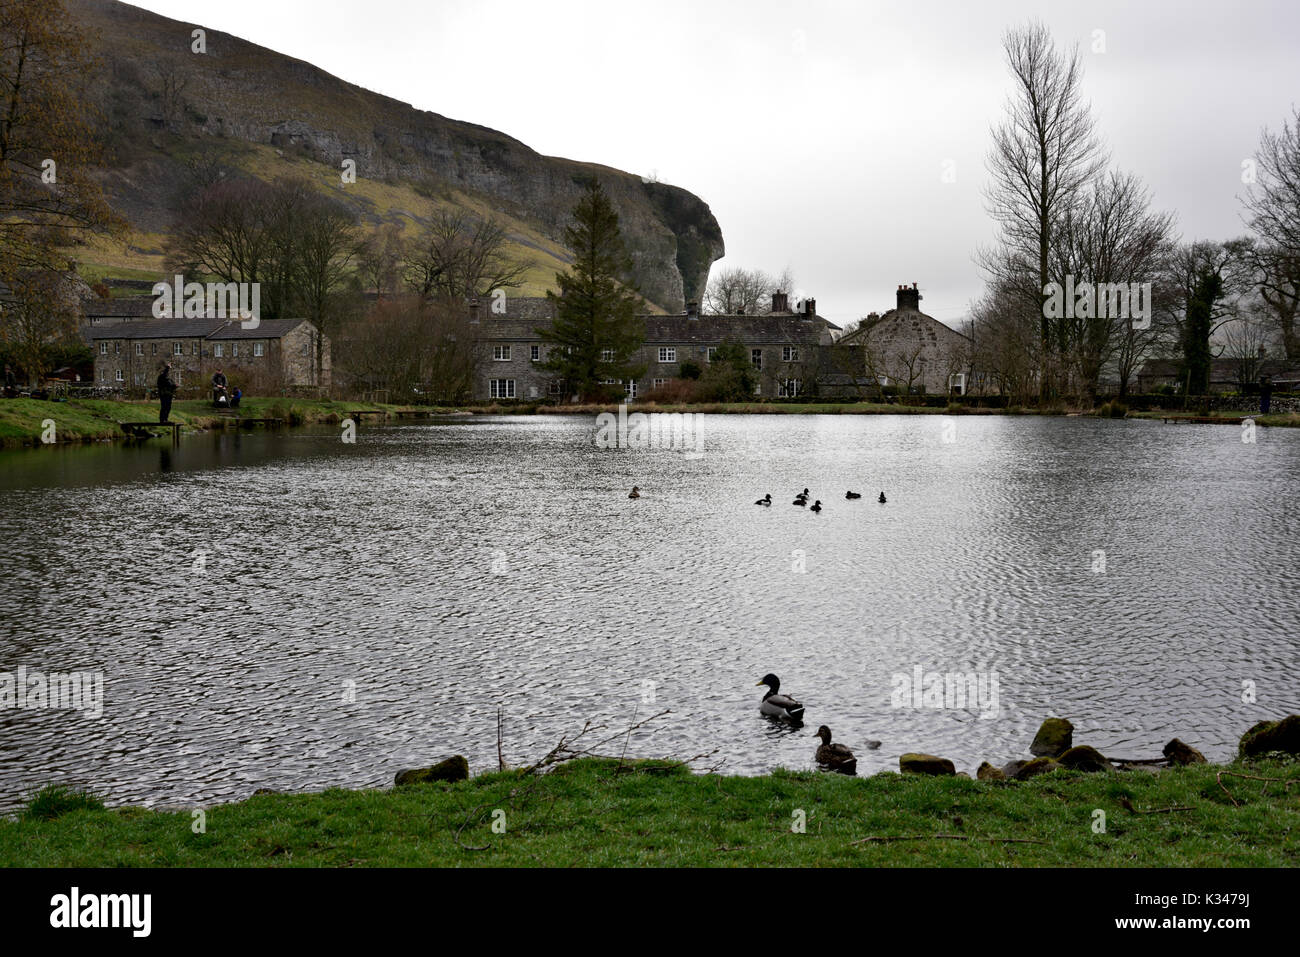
(765, 500)
(835, 756)
(635, 493)
(881, 500)
(779, 705)
(817, 506)
(852, 495)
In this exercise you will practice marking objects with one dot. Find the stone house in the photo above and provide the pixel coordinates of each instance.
(783, 346)
(276, 355)
(904, 348)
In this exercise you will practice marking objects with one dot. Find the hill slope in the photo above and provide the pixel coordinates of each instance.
(271, 115)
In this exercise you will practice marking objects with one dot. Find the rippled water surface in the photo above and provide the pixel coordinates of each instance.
(288, 611)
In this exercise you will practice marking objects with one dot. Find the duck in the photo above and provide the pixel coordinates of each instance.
(765, 500)
(881, 500)
(635, 493)
(817, 506)
(779, 705)
(853, 495)
(800, 501)
(804, 494)
(836, 757)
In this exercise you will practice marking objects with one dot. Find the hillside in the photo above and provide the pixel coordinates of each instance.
(272, 115)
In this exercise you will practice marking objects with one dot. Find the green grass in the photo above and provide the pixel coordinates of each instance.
(88, 420)
(585, 814)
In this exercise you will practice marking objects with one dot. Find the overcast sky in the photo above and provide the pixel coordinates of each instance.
(818, 132)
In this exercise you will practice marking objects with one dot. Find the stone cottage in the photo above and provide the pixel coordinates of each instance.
(783, 346)
(274, 356)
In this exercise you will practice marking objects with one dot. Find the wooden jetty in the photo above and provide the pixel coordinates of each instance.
(144, 430)
(1204, 419)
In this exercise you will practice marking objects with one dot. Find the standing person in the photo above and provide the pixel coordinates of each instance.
(1265, 394)
(218, 386)
(11, 384)
(166, 389)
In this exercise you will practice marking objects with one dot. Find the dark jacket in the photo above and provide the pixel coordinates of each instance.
(219, 379)
(165, 384)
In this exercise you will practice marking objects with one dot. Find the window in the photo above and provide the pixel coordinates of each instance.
(630, 388)
(606, 355)
(667, 354)
(218, 350)
(553, 388)
(788, 387)
(153, 349)
(259, 348)
(501, 354)
(117, 348)
(756, 357)
(139, 348)
(535, 353)
(119, 376)
(234, 350)
(609, 382)
(789, 353)
(196, 348)
(178, 349)
(758, 388)
(660, 383)
(503, 388)
(103, 348)
(710, 353)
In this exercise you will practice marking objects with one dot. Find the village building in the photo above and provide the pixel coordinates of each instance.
(274, 356)
(783, 346)
(904, 348)
(1226, 374)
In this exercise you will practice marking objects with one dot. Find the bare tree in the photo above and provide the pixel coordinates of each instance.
(1044, 155)
(459, 257)
(379, 259)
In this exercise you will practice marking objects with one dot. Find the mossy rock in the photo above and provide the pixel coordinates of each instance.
(1031, 769)
(1055, 736)
(1084, 758)
(1180, 753)
(455, 768)
(914, 763)
(987, 772)
(1267, 736)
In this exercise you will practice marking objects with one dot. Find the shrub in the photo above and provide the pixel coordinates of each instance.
(1114, 409)
(55, 800)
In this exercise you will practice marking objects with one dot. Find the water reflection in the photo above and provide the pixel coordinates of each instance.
(285, 610)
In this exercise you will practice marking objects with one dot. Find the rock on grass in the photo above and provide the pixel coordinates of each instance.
(455, 768)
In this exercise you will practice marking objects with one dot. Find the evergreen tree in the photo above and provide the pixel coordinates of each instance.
(596, 334)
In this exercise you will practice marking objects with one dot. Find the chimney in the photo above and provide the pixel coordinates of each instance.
(909, 298)
(810, 308)
(780, 302)
(473, 310)
(740, 310)
(692, 310)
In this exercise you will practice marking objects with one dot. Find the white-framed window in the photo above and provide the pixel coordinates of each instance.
(788, 387)
(234, 350)
(119, 376)
(503, 388)
(218, 350)
(117, 348)
(667, 354)
(659, 383)
(758, 388)
(606, 355)
(153, 349)
(139, 348)
(709, 353)
(196, 348)
(501, 354)
(789, 353)
(534, 353)
(609, 382)
(178, 348)
(756, 357)
(553, 387)
(259, 348)
(630, 388)
(103, 348)
(957, 383)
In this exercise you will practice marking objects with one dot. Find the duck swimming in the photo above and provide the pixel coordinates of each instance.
(765, 500)
(817, 506)
(800, 501)
(836, 757)
(852, 495)
(779, 705)
(881, 500)
(635, 493)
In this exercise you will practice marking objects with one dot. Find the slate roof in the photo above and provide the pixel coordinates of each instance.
(787, 329)
(195, 329)
(131, 307)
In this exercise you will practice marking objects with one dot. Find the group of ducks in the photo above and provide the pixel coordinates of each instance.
(833, 757)
(802, 499)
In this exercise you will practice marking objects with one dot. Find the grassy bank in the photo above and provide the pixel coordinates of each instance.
(92, 420)
(586, 813)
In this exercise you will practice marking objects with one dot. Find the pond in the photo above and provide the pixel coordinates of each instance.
(292, 611)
